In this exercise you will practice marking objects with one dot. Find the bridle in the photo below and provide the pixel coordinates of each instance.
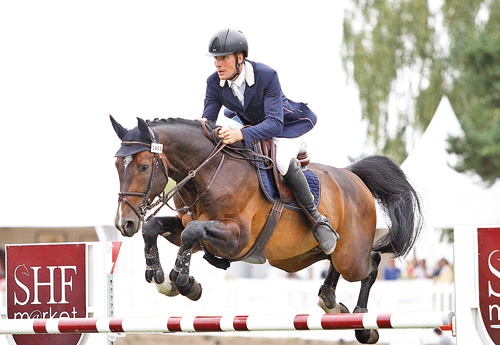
(146, 205)
(165, 196)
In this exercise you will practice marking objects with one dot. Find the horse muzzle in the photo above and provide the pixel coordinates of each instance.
(127, 228)
(127, 225)
(129, 217)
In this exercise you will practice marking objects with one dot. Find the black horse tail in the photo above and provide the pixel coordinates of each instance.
(397, 198)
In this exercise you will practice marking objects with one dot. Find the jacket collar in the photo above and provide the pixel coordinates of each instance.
(249, 75)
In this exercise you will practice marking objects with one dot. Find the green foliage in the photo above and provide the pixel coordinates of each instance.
(447, 235)
(404, 57)
(389, 50)
(479, 89)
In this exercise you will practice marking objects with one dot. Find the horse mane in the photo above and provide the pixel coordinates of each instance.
(174, 121)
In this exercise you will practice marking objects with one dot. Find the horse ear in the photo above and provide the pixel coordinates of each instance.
(119, 129)
(146, 132)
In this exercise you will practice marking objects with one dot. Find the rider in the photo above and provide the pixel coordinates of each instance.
(252, 95)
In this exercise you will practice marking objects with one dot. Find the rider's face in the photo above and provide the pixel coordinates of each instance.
(226, 65)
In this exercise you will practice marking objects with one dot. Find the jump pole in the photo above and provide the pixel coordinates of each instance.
(172, 324)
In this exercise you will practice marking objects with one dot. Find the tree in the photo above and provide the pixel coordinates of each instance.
(478, 94)
(404, 56)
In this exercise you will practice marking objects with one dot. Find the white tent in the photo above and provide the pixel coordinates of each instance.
(449, 198)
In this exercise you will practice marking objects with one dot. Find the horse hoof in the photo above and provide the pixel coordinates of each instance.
(149, 276)
(166, 288)
(196, 290)
(343, 308)
(367, 336)
(359, 310)
(334, 310)
(191, 290)
(155, 276)
(327, 300)
(339, 308)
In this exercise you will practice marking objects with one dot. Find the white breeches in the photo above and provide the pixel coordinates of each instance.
(286, 149)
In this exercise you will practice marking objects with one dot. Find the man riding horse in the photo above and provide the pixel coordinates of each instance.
(251, 93)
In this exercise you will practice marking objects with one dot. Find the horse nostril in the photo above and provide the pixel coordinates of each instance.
(129, 228)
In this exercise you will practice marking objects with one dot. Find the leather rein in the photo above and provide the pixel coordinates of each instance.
(165, 196)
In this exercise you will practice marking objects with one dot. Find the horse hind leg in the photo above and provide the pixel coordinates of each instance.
(367, 336)
(327, 299)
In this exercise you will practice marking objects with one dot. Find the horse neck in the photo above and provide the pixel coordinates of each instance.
(186, 149)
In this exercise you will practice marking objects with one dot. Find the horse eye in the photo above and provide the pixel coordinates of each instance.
(144, 168)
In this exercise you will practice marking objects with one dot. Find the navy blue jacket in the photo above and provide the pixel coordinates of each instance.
(267, 110)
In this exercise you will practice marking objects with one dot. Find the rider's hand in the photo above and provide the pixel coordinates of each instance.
(230, 135)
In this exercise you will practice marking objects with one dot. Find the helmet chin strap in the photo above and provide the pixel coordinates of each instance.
(238, 65)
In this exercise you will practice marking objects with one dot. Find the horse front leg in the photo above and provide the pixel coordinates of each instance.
(219, 234)
(169, 228)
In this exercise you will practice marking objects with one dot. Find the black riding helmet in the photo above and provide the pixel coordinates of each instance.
(229, 41)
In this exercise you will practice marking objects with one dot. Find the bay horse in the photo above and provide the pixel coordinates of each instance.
(221, 210)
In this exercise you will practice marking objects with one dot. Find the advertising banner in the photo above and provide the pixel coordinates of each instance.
(489, 280)
(46, 281)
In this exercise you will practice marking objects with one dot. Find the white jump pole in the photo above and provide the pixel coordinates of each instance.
(171, 324)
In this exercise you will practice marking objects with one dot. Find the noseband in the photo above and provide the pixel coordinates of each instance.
(157, 161)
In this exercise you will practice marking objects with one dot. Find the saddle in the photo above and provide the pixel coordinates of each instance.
(268, 149)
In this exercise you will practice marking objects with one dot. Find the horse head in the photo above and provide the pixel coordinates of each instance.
(138, 162)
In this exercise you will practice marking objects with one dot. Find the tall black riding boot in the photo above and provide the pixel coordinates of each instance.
(324, 233)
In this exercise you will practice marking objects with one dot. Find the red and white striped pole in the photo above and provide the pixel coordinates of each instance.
(170, 324)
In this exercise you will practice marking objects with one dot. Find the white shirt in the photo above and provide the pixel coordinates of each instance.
(238, 86)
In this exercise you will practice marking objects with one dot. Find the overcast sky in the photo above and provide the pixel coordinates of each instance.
(66, 65)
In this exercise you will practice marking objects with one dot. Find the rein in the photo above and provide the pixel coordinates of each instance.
(175, 189)
(240, 153)
(231, 151)
(165, 196)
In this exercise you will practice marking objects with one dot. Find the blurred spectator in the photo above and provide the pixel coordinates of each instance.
(421, 271)
(391, 272)
(443, 272)
(410, 266)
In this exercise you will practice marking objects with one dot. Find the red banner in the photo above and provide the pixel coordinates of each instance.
(43, 282)
(489, 280)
